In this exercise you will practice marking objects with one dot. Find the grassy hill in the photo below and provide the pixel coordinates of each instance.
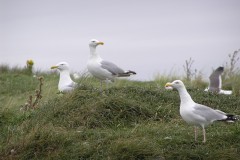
(130, 120)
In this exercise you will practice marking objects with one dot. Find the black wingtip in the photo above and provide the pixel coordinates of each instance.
(232, 118)
(131, 72)
(126, 74)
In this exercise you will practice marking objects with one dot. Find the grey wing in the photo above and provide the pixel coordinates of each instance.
(208, 113)
(111, 67)
(215, 79)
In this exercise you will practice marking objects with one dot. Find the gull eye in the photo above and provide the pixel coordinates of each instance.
(176, 82)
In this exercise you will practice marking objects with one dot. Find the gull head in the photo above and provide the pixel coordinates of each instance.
(61, 66)
(94, 43)
(177, 84)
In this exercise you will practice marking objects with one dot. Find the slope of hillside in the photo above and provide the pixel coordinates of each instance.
(130, 120)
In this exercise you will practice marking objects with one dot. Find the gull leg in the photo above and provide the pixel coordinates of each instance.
(101, 86)
(195, 133)
(107, 86)
(204, 135)
(108, 81)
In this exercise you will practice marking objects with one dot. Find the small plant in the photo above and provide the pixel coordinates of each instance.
(231, 72)
(32, 104)
(29, 66)
(231, 66)
(188, 69)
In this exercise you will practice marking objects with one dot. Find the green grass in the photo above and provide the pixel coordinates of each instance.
(130, 120)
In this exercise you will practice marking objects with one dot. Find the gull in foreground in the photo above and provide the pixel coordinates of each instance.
(101, 69)
(215, 82)
(65, 84)
(197, 114)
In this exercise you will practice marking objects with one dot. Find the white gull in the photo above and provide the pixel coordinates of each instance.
(215, 82)
(101, 69)
(65, 84)
(197, 114)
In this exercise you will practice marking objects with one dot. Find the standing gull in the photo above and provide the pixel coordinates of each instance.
(197, 114)
(215, 82)
(65, 84)
(101, 69)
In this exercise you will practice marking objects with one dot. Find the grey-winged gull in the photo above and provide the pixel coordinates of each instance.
(101, 69)
(215, 82)
(197, 114)
(65, 84)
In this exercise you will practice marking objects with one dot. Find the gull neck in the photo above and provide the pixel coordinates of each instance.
(184, 96)
(65, 77)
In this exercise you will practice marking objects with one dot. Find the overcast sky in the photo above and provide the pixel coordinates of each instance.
(147, 36)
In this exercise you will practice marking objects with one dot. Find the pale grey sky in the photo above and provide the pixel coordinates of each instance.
(147, 36)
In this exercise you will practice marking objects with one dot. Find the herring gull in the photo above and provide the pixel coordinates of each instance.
(101, 69)
(65, 84)
(197, 114)
(215, 82)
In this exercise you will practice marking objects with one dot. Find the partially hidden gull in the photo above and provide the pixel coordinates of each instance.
(101, 69)
(197, 114)
(65, 84)
(215, 82)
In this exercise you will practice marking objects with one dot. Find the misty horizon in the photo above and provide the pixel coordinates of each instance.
(149, 37)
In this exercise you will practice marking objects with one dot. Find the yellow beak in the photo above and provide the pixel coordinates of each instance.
(168, 84)
(53, 67)
(101, 43)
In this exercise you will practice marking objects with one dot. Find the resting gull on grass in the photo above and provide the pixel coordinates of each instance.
(215, 82)
(101, 69)
(197, 114)
(65, 84)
